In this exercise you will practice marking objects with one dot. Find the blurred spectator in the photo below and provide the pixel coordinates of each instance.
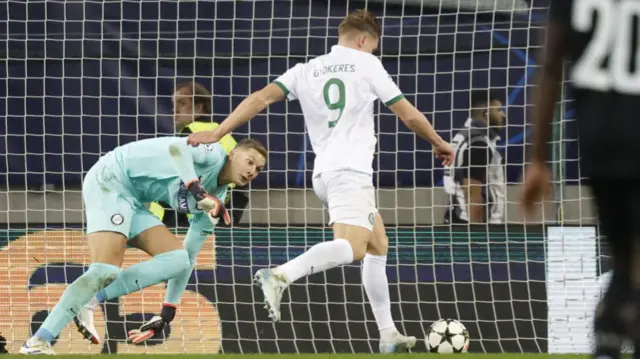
(476, 181)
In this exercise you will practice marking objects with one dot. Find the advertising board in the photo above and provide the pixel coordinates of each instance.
(492, 281)
(577, 275)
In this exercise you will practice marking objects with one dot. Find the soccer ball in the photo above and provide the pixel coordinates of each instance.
(447, 336)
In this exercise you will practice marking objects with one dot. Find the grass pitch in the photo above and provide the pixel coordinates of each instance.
(323, 356)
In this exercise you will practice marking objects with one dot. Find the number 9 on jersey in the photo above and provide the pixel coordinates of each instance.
(335, 98)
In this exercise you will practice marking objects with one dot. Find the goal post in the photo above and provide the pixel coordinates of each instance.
(81, 78)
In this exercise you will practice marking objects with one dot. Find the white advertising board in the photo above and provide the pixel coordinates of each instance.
(574, 287)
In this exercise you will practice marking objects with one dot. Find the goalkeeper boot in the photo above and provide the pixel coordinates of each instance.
(273, 284)
(396, 343)
(84, 322)
(35, 346)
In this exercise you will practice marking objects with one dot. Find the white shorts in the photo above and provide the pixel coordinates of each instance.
(349, 195)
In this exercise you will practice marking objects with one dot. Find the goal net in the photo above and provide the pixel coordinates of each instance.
(84, 77)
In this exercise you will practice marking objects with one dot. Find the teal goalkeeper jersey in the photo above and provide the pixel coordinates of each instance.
(157, 169)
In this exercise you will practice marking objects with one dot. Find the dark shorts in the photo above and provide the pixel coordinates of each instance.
(618, 206)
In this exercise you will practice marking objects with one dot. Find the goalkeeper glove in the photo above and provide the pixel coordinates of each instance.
(155, 325)
(209, 204)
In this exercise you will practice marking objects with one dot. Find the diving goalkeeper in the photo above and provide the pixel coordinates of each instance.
(192, 180)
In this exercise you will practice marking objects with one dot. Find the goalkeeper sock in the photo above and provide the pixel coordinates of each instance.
(376, 285)
(75, 297)
(176, 286)
(319, 258)
(144, 274)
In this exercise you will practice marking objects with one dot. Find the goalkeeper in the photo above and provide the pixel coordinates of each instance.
(192, 180)
(192, 113)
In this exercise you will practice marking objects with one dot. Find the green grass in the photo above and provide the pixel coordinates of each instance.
(327, 356)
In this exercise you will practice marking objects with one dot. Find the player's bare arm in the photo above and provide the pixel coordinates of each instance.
(246, 110)
(417, 122)
(536, 180)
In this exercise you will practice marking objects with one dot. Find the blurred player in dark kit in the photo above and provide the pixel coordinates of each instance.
(599, 38)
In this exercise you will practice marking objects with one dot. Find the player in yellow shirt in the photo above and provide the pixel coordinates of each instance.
(192, 113)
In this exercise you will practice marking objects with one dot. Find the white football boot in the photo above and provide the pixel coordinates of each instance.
(273, 285)
(397, 343)
(84, 322)
(35, 346)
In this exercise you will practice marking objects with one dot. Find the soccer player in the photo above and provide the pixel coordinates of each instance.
(475, 182)
(337, 92)
(599, 38)
(191, 179)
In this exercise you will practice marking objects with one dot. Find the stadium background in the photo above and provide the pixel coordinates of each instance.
(84, 77)
(88, 76)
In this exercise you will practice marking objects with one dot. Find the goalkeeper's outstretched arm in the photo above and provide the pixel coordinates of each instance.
(246, 110)
(197, 234)
(182, 160)
(199, 230)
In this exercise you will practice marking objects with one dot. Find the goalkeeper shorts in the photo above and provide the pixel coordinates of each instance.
(349, 196)
(109, 205)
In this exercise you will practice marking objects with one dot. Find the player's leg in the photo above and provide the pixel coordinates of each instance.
(630, 310)
(176, 286)
(169, 260)
(351, 202)
(107, 251)
(108, 212)
(158, 242)
(350, 198)
(615, 212)
(376, 285)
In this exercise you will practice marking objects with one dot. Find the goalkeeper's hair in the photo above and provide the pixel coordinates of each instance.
(201, 96)
(250, 143)
(360, 20)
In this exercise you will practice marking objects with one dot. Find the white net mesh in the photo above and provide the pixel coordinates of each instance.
(83, 77)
